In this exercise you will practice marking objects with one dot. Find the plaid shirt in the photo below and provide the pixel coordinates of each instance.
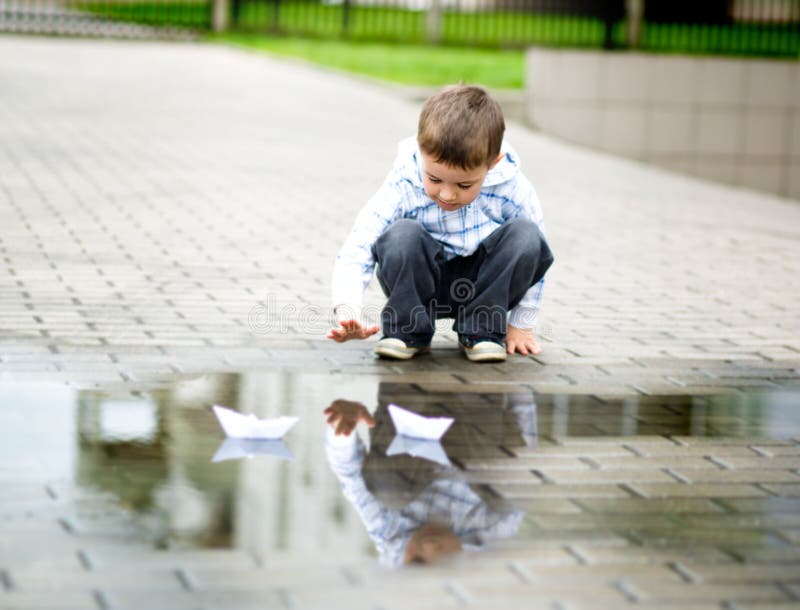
(505, 194)
(448, 501)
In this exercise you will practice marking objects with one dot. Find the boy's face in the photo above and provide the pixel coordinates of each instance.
(451, 187)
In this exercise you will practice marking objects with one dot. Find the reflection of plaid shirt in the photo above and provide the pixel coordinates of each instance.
(505, 194)
(445, 501)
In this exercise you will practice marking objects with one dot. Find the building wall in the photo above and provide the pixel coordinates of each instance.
(732, 120)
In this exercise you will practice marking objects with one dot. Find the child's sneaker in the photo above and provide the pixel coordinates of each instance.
(397, 349)
(482, 350)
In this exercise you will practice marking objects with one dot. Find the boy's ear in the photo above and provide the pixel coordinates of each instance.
(497, 160)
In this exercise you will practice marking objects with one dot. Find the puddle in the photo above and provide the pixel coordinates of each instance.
(137, 468)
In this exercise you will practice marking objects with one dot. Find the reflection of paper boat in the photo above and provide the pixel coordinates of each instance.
(416, 426)
(238, 448)
(237, 425)
(417, 447)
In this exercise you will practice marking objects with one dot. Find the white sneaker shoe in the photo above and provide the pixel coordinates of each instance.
(397, 349)
(484, 351)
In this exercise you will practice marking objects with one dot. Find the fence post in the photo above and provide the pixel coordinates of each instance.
(635, 20)
(220, 15)
(345, 17)
(433, 22)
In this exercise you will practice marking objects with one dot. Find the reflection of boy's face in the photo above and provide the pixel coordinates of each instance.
(450, 187)
(430, 542)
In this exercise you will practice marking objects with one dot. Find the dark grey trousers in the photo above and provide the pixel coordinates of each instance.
(476, 290)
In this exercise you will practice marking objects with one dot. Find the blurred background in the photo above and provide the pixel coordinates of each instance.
(706, 88)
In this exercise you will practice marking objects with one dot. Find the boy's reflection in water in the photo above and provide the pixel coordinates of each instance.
(416, 511)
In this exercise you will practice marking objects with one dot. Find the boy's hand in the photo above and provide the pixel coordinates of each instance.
(522, 341)
(344, 415)
(348, 317)
(351, 329)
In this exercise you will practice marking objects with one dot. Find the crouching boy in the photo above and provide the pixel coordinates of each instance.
(456, 231)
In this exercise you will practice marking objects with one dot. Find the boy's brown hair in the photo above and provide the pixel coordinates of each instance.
(461, 126)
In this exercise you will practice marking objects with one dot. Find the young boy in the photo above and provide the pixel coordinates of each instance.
(456, 232)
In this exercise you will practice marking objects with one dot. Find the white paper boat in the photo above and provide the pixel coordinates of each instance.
(412, 425)
(237, 425)
(238, 448)
(417, 447)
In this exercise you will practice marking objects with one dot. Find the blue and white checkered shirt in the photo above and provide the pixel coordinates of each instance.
(505, 194)
(447, 501)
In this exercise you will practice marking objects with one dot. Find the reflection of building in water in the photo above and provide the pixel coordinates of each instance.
(153, 453)
(148, 451)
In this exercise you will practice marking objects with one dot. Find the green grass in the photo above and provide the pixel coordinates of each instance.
(178, 14)
(490, 30)
(399, 63)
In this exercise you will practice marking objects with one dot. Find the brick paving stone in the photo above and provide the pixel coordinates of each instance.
(789, 605)
(647, 555)
(770, 505)
(791, 490)
(717, 451)
(576, 451)
(677, 462)
(537, 506)
(704, 490)
(778, 451)
(649, 505)
(601, 520)
(746, 573)
(111, 579)
(662, 592)
(571, 491)
(128, 559)
(547, 461)
(47, 601)
(233, 600)
(632, 476)
(753, 475)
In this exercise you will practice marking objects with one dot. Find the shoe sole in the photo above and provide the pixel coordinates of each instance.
(399, 354)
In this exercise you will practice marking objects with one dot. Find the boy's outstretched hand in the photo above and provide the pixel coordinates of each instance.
(351, 329)
(348, 317)
(344, 415)
(522, 341)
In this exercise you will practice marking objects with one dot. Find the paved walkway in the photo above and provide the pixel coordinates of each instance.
(169, 210)
(176, 208)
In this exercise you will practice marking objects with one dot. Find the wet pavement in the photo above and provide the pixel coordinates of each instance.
(111, 499)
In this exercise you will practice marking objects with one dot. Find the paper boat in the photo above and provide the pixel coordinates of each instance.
(237, 425)
(416, 447)
(412, 425)
(238, 448)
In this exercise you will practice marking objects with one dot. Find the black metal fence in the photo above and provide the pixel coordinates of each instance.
(755, 27)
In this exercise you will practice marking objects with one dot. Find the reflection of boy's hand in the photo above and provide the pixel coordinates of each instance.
(351, 329)
(521, 341)
(344, 415)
